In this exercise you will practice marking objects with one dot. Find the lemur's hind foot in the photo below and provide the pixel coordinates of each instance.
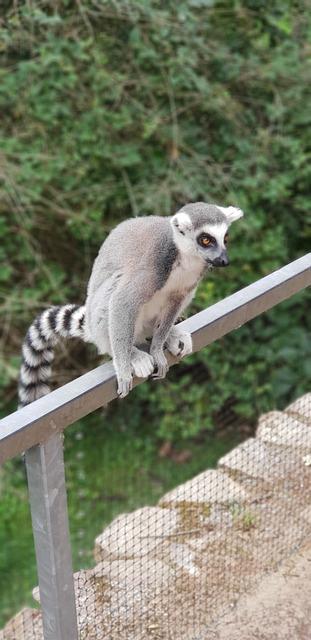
(142, 363)
(142, 366)
(179, 342)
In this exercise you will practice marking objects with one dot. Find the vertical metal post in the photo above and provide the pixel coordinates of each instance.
(48, 502)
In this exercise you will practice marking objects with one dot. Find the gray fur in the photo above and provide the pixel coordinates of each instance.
(165, 255)
(144, 276)
(202, 213)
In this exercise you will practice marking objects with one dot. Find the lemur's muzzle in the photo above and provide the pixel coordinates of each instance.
(222, 260)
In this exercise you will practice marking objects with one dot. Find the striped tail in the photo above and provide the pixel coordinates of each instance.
(37, 352)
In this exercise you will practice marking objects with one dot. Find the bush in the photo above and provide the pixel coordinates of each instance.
(117, 109)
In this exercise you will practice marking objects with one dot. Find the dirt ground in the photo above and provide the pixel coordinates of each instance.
(278, 609)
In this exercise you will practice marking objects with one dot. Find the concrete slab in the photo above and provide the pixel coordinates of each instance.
(285, 430)
(26, 625)
(301, 408)
(135, 534)
(257, 459)
(205, 489)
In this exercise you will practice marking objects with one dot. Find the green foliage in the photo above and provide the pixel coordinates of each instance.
(113, 109)
(17, 557)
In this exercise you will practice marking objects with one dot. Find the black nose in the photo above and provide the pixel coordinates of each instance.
(221, 261)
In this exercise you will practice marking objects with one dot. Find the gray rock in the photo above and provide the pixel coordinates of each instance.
(179, 556)
(205, 489)
(285, 430)
(301, 408)
(257, 459)
(26, 625)
(135, 534)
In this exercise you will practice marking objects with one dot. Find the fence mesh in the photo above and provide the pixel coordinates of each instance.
(167, 571)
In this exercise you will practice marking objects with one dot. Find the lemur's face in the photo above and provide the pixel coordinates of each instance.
(212, 241)
(202, 231)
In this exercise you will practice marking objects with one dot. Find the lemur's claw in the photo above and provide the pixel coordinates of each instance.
(161, 366)
(179, 343)
(142, 366)
(125, 385)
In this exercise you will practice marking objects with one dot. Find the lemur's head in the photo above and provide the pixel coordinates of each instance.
(201, 229)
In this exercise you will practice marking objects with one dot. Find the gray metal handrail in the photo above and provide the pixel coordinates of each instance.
(37, 430)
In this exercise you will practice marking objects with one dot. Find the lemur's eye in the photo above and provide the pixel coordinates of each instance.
(205, 240)
(226, 238)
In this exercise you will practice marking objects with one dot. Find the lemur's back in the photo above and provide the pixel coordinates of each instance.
(126, 247)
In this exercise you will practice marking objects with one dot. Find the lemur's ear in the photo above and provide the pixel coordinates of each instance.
(232, 213)
(182, 222)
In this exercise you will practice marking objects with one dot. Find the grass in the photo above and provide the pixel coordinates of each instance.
(109, 470)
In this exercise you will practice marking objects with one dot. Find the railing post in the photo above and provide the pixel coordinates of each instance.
(48, 503)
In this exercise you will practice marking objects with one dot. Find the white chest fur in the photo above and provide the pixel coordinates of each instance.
(182, 281)
(185, 275)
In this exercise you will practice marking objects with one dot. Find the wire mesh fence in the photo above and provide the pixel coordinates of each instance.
(167, 571)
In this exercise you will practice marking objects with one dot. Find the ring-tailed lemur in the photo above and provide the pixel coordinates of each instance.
(144, 276)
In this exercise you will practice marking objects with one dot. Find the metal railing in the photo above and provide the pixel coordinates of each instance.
(37, 430)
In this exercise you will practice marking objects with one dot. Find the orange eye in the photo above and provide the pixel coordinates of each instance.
(206, 241)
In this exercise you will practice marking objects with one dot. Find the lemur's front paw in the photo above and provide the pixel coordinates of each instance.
(142, 363)
(160, 363)
(125, 384)
(179, 343)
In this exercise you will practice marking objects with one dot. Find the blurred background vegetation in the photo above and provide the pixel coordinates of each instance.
(111, 109)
